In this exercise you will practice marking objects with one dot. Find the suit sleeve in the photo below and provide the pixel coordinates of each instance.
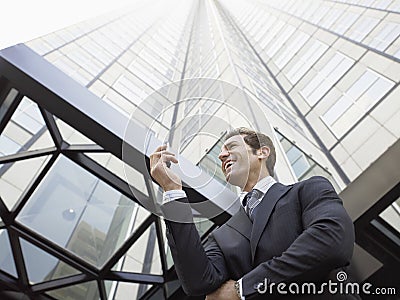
(325, 244)
(201, 270)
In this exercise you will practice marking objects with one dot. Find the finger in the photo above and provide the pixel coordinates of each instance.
(167, 152)
(171, 158)
(159, 153)
(160, 148)
(155, 157)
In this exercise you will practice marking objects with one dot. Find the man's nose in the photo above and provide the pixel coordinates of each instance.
(223, 155)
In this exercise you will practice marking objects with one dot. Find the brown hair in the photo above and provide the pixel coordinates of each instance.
(256, 140)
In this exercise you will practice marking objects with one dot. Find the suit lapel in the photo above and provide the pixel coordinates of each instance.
(241, 223)
(263, 212)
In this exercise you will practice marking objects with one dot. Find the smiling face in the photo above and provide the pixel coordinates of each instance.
(239, 162)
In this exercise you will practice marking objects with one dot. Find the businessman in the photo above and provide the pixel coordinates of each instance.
(281, 234)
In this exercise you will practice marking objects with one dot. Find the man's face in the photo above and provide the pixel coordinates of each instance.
(238, 161)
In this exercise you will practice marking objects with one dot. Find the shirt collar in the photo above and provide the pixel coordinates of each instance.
(263, 186)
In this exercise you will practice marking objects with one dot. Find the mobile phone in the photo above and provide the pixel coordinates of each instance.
(168, 163)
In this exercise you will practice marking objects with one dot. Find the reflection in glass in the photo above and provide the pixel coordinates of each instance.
(41, 266)
(392, 215)
(8, 146)
(143, 256)
(303, 166)
(6, 257)
(121, 169)
(28, 116)
(297, 158)
(79, 212)
(122, 290)
(15, 178)
(83, 291)
(71, 135)
(26, 131)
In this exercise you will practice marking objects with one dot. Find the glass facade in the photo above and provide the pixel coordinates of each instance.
(73, 226)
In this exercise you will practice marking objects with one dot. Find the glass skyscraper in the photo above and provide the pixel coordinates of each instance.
(80, 106)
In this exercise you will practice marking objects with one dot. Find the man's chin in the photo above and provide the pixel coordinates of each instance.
(233, 180)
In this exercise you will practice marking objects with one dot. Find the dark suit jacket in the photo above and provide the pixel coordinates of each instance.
(301, 233)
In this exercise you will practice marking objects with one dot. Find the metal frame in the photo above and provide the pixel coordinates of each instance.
(58, 96)
(377, 240)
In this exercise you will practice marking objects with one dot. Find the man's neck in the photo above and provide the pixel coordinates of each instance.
(250, 184)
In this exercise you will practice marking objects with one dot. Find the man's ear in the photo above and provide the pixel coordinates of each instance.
(263, 152)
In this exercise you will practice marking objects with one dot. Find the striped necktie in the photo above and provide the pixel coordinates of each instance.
(250, 202)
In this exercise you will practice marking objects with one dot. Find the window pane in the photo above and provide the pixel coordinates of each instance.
(6, 257)
(121, 169)
(16, 177)
(83, 291)
(337, 110)
(363, 28)
(122, 290)
(25, 131)
(298, 41)
(392, 215)
(8, 146)
(306, 61)
(300, 166)
(292, 154)
(326, 77)
(143, 256)
(361, 85)
(41, 266)
(374, 93)
(71, 135)
(385, 37)
(79, 212)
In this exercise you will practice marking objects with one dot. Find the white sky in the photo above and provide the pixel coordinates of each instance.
(24, 20)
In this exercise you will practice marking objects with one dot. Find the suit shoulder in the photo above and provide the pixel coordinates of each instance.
(314, 180)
